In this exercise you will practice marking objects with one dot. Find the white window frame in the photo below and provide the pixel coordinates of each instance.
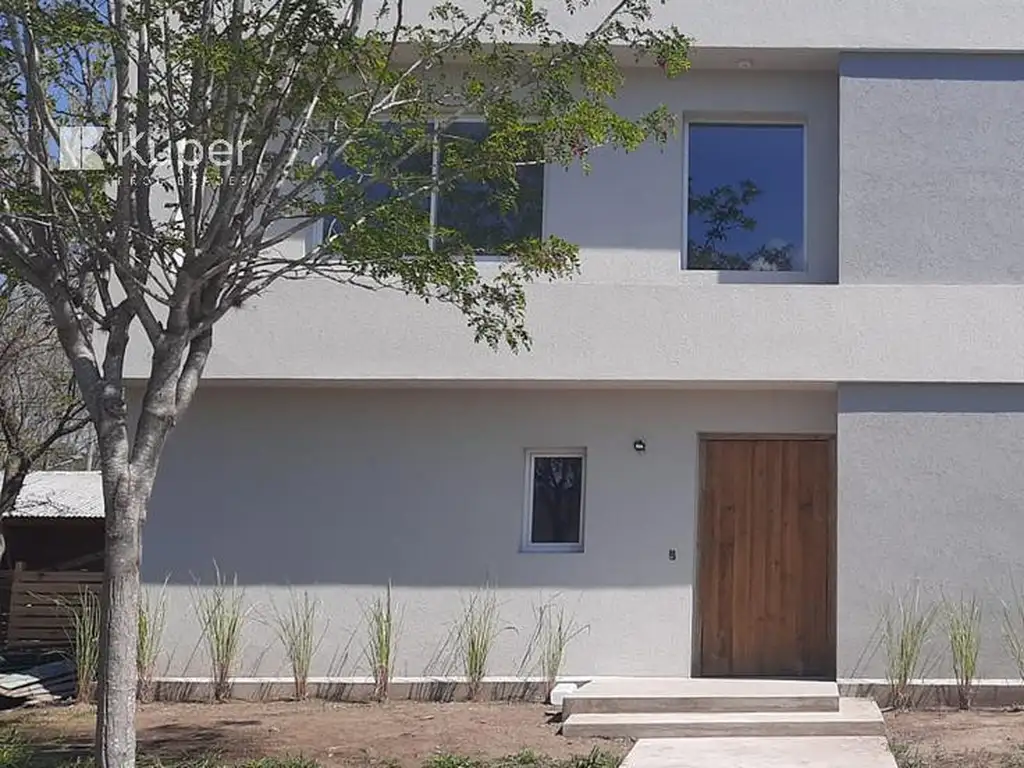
(527, 544)
(726, 118)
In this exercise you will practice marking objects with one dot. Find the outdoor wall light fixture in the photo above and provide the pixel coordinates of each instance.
(639, 446)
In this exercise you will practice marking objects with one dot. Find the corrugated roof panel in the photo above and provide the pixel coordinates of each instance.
(61, 494)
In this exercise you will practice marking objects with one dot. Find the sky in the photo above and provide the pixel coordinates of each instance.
(772, 156)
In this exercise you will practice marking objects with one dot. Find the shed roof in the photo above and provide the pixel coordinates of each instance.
(61, 495)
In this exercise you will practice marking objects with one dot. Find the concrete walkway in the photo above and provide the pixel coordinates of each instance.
(770, 752)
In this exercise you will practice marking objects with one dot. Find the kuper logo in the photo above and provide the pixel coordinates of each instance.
(82, 148)
(78, 145)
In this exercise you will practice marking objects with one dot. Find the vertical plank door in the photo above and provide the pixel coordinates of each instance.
(766, 558)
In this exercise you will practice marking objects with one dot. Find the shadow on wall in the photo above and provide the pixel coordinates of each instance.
(953, 399)
(332, 541)
(417, 518)
(428, 487)
(334, 491)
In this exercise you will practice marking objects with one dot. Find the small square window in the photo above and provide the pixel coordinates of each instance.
(554, 501)
(745, 197)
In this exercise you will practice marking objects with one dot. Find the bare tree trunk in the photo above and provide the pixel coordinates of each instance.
(15, 471)
(117, 675)
(129, 471)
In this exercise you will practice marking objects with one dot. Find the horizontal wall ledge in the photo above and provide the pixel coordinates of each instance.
(315, 331)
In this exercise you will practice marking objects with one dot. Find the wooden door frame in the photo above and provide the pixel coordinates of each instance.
(703, 438)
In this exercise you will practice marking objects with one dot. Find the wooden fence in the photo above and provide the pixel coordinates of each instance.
(42, 605)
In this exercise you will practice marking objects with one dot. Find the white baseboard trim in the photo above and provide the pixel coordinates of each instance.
(931, 693)
(928, 693)
(357, 689)
(496, 679)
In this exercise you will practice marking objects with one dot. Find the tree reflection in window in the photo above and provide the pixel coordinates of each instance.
(557, 500)
(745, 197)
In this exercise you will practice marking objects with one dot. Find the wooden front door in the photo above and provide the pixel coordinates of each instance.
(766, 558)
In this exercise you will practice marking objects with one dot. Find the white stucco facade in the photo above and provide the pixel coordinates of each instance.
(344, 438)
(633, 315)
(339, 490)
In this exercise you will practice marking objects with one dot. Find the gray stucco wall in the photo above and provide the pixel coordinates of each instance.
(931, 168)
(931, 495)
(336, 490)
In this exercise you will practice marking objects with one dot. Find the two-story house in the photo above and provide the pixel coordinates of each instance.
(787, 384)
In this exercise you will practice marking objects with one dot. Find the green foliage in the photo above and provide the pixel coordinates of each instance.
(328, 113)
(85, 641)
(1013, 627)
(596, 758)
(297, 92)
(907, 755)
(222, 614)
(557, 630)
(521, 759)
(298, 628)
(447, 760)
(197, 761)
(553, 631)
(383, 625)
(32, 759)
(152, 620)
(905, 635)
(963, 629)
(477, 632)
(15, 751)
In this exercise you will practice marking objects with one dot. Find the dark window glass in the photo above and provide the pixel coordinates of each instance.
(745, 197)
(479, 208)
(389, 145)
(557, 514)
(487, 212)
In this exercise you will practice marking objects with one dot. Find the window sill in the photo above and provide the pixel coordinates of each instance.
(745, 277)
(551, 549)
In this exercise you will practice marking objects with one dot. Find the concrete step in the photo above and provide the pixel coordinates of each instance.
(856, 717)
(824, 752)
(660, 695)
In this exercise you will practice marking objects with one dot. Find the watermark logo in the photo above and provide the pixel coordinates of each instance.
(78, 145)
(80, 150)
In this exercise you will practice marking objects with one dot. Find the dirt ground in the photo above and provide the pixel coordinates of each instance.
(405, 734)
(398, 734)
(984, 739)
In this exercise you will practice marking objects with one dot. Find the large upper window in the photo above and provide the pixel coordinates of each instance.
(745, 197)
(471, 198)
(554, 501)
